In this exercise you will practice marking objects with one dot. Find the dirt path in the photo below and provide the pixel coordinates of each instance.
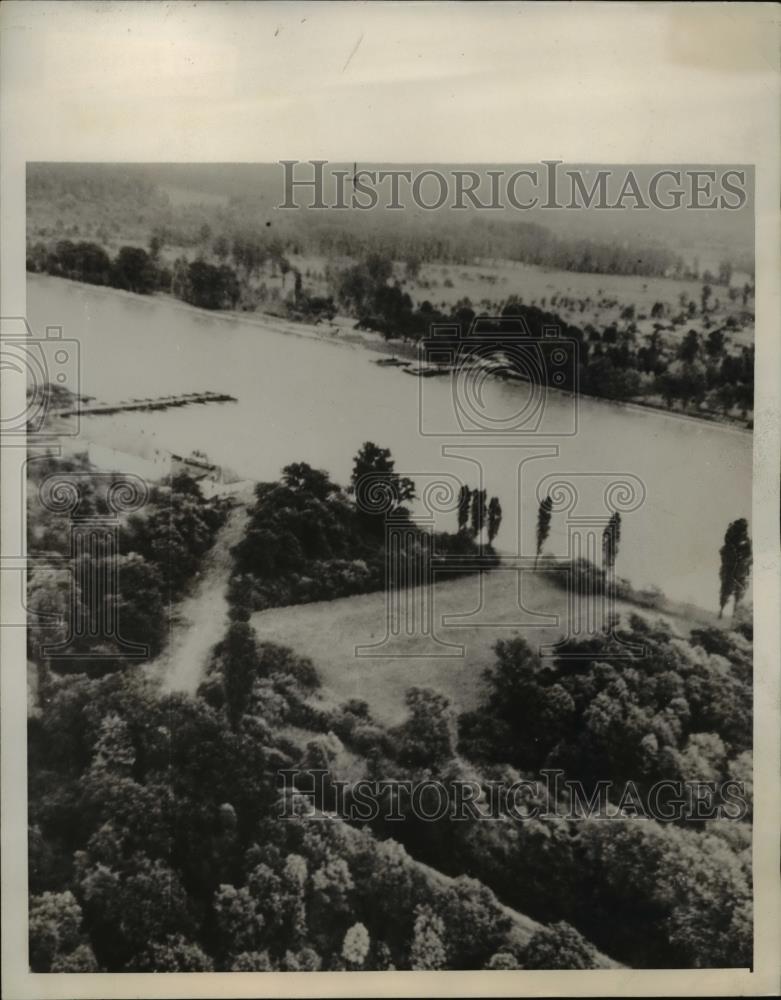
(202, 617)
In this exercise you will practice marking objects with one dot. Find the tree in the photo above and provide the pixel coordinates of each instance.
(134, 271)
(127, 910)
(494, 518)
(249, 254)
(81, 959)
(412, 266)
(302, 478)
(211, 287)
(175, 954)
(424, 739)
(373, 463)
(544, 514)
(690, 347)
(475, 924)
(736, 560)
(240, 924)
(690, 383)
(611, 537)
(379, 267)
(725, 273)
(705, 296)
(464, 504)
(54, 927)
(559, 946)
(239, 656)
(478, 511)
(502, 961)
(331, 897)
(355, 946)
(252, 961)
(156, 244)
(427, 952)
(715, 343)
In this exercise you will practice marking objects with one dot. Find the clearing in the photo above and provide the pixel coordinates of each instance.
(329, 631)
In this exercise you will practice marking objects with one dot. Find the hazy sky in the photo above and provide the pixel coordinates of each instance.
(422, 82)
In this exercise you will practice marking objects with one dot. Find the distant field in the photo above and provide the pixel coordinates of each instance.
(494, 281)
(126, 211)
(329, 631)
(489, 284)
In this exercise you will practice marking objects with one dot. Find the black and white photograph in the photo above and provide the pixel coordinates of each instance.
(388, 564)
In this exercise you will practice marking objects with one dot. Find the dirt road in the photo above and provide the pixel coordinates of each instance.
(202, 618)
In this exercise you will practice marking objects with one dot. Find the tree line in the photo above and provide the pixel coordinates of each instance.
(133, 269)
(308, 539)
(613, 363)
(108, 200)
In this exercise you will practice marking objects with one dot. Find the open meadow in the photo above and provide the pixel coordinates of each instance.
(328, 632)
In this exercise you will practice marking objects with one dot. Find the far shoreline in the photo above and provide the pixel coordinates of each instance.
(342, 336)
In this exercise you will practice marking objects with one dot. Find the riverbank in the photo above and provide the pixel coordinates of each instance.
(342, 332)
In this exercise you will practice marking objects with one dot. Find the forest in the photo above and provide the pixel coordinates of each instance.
(310, 540)
(156, 841)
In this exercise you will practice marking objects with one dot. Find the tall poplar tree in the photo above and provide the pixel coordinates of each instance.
(736, 560)
(543, 525)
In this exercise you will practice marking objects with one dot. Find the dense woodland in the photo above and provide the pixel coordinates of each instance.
(155, 841)
(310, 540)
(160, 552)
(154, 837)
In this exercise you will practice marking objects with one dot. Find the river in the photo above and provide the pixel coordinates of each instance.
(308, 399)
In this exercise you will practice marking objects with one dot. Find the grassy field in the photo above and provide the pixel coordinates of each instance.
(329, 631)
(488, 284)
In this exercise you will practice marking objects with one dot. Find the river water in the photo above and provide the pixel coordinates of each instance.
(307, 399)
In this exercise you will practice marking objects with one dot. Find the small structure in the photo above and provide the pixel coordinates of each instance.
(152, 464)
(213, 479)
(155, 464)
